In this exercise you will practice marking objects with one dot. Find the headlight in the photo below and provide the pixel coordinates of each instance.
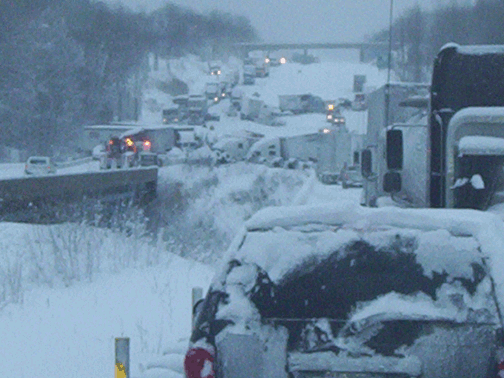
(218, 72)
(283, 60)
(216, 99)
(329, 116)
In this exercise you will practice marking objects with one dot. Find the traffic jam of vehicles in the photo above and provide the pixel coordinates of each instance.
(325, 310)
(360, 290)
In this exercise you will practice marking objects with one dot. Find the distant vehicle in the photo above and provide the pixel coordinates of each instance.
(152, 143)
(236, 98)
(214, 68)
(100, 135)
(197, 109)
(299, 104)
(213, 91)
(359, 102)
(232, 148)
(333, 114)
(181, 103)
(333, 153)
(344, 103)
(215, 71)
(249, 74)
(225, 88)
(98, 152)
(340, 290)
(39, 165)
(250, 108)
(304, 58)
(114, 154)
(351, 177)
(277, 151)
(171, 115)
(336, 119)
(262, 68)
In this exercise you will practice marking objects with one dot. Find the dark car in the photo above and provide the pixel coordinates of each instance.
(345, 291)
(351, 177)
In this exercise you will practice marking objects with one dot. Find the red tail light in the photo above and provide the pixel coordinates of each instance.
(500, 369)
(198, 363)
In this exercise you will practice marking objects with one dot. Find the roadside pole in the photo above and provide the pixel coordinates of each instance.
(197, 294)
(122, 357)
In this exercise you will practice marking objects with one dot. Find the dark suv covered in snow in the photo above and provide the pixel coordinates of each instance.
(344, 291)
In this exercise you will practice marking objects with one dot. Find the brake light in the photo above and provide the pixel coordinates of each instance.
(147, 145)
(198, 363)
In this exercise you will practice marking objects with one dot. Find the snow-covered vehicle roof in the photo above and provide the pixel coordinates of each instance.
(228, 141)
(284, 242)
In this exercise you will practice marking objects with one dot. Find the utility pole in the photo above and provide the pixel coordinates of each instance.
(390, 40)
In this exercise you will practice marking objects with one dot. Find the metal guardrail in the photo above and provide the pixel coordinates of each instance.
(19, 195)
(73, 163)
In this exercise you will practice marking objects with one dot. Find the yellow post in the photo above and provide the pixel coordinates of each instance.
(122, 357)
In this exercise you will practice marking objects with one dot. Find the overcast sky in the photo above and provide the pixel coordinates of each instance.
(303, 20)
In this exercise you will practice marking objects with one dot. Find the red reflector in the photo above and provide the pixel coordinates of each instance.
(500, 368)
(198, 363)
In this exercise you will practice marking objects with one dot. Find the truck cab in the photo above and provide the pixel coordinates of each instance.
(391, 107)
(463, 144)
(171, 115)
(197, 109)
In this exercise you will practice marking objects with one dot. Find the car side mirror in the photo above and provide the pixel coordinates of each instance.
(366, 163)
(394, 149)
(392, 182)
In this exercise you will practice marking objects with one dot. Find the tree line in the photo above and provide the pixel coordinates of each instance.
(420, 34)
(67, 63)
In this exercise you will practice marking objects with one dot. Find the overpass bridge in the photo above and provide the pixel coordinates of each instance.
(367, 50)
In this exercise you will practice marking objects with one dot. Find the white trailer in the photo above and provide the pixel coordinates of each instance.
(298, 104)
(251, 108)
(336, 151)
(282, 151)
(233, 148)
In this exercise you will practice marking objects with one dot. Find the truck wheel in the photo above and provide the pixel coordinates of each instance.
(344, 185)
